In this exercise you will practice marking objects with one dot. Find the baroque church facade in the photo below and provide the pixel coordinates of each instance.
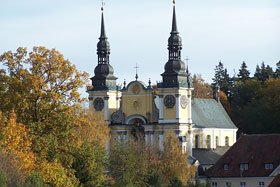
(149, 113)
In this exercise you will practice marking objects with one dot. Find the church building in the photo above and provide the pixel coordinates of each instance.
(149, 113)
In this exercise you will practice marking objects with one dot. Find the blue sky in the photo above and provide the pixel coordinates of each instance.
(229, 30)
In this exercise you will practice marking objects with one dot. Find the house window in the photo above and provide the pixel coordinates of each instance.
(197, 141)
(226, 141)
(244, 166)
(217, 141)
(214, 184)
(268, 166)
(225, 166)
(261, 184)
(208, 141)
(228, 184)
(242, 184)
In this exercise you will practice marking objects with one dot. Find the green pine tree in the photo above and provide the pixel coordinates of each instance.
(222, 78)
(243, 72)
(258, 75)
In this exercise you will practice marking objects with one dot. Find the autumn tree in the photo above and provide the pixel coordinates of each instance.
(42, 88)
(128, 164)
(39, 83)
(201, 88)
(15, 141)
(3, 178)
(93, 128)
(11, 170)
(174, 163)
(224, 101)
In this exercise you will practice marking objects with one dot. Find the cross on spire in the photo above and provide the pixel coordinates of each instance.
(136, 68)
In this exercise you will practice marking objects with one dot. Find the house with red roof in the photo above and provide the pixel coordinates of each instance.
(253, 161)
(275, 182)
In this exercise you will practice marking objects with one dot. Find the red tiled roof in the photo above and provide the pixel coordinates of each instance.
(275, 182)
(254, 150)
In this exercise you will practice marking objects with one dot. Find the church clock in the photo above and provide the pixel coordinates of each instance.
(169, 101)
(98, 104)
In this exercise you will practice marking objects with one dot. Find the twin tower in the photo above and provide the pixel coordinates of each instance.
(142, 111)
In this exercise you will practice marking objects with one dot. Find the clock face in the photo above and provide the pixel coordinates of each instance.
(169, 101)
(98, 104)
(183, 101)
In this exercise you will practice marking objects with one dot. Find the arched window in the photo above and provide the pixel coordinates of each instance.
(197, 141)
(208, 141)
(217, 141)
(226, 141)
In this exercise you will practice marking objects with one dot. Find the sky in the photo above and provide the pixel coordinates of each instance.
(232, 31)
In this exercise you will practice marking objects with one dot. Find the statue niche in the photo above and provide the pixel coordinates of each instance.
(138, 130)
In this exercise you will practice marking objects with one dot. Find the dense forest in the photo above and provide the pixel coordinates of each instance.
(251, 99)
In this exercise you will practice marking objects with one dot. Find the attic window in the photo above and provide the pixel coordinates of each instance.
(268, 166)
(225, 166)
(244, 166)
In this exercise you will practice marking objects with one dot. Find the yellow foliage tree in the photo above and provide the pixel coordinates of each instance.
(16, 142)
(38, 84)
(224, 101)
(201, 88)
(174, 163)
(93, 128)
(55, 175)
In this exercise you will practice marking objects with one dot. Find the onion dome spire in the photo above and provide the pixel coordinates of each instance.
(103, 46)
(175, 72)
(174, 41)
(104, 78)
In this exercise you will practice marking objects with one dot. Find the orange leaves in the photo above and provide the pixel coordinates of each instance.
(55, 174)
(174, 163)
(224, 101)
(201, 88)
(38, 82)
(93, 129)
(15, 141)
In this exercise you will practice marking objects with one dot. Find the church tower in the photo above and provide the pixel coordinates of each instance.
(175, 91)
(149, 113)
(103, 95)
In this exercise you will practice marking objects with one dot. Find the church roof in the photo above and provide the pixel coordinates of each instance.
(208, 113)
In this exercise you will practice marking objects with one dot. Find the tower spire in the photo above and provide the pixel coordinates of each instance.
(104, 78)
(175, 73)
(103, 46)
(102, 33)
(174, 22)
